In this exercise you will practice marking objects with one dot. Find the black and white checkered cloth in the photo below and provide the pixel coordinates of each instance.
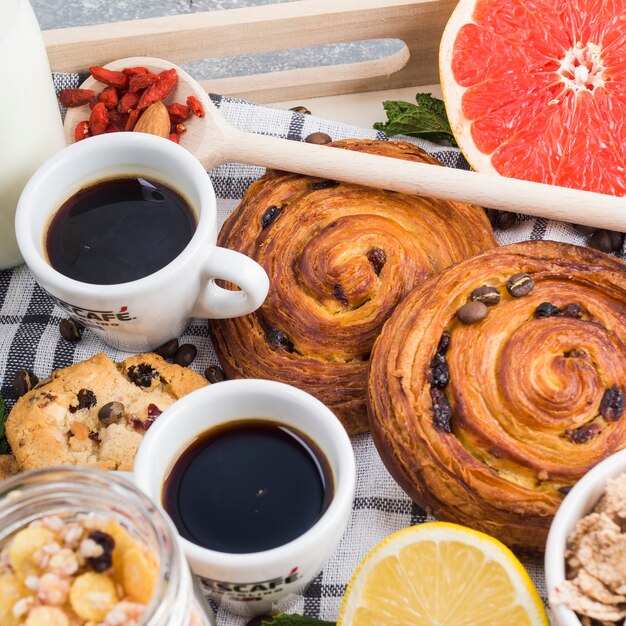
(29, 338)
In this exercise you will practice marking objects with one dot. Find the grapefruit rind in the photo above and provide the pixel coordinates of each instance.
(526, 596)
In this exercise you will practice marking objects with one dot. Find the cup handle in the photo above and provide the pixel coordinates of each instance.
(214, 302)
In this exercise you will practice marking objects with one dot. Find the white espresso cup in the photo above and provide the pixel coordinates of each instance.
(252, 583)
(145, 313)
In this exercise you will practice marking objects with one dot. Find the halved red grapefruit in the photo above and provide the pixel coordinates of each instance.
(536, 89)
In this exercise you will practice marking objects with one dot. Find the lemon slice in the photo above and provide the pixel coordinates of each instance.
(440, 574)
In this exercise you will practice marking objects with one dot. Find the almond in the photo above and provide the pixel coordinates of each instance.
(155, 120)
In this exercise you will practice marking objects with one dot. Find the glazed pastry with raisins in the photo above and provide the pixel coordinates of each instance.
(95, 412)
(498, 383)
(340, 258)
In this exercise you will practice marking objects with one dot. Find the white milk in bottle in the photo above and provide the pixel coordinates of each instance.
(30, 122)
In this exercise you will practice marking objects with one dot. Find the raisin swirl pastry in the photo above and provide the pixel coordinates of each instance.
(340, 258)
(491, 421)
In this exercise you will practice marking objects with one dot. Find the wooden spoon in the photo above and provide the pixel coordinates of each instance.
(215, 141)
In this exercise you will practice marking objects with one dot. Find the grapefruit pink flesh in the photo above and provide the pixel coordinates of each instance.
(536, 89)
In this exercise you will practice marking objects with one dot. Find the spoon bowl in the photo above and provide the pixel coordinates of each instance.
(213, 141)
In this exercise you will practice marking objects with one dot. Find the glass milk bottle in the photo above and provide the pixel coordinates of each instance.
(30, 122)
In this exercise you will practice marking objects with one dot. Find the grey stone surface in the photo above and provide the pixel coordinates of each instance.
(63, 13)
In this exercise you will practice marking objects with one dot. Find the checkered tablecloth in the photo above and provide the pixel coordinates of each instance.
(29, 338)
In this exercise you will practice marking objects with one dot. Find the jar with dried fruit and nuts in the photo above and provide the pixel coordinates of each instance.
(84, 547)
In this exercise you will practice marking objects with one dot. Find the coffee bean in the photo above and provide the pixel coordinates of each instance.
(442, 413)
(489, 296)
(472, 312)
(583, 434)
(270, 215)
(439, 375)
(520, 285)
(23, 382)
(585, 230)
(111, 412)
(277, 339)
(606, 240)
(612, 404)
(185, 354)
(214, 374)
(378, 258)
(505, 220)
(573, 310)
(168, 349)
(300, 109)
(70, 330)
(545, 309)
(318, 138)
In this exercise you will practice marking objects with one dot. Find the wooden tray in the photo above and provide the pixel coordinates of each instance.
(190, 37)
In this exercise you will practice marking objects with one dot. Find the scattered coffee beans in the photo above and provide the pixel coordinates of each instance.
(318, 138)
(168, 349)
(70, 330)
(300, 109)
(472, 312)
(24, 381)
(606, 240)
(520, 285)
(185, 354)
(214, 374)
(489, 296)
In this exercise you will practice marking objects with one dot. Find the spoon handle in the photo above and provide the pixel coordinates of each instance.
(492, 191)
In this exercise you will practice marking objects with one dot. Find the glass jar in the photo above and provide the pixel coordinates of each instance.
(30, 121)
(77, 492)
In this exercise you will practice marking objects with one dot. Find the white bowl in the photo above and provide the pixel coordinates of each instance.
(578, 502)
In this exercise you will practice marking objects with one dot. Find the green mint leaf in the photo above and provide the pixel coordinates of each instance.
(296, 620)
(426, 119)
(4, 413)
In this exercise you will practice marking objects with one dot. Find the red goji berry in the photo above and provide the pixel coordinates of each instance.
(180, 128)
(141, 81)
(127, 102)
(112, 128)
(98, 119)
(109, 96)
(75, 97)
(195, 105)
(117, 118)
(134, 71)
(109, 77)
(178, 112)
(175, 137)
(132, 119)
(82, 130)
(160, 89)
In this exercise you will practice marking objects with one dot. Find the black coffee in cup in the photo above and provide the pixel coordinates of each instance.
(119, 230)
(248, 486)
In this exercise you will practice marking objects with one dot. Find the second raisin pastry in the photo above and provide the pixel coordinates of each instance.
(95, 412)
(340, 258)
(498, 383)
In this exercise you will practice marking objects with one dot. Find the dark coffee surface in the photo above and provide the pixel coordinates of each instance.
(246, 487)
(119, 230)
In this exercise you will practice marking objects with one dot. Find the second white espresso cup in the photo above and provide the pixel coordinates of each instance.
(142, 314)
(252, 583)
